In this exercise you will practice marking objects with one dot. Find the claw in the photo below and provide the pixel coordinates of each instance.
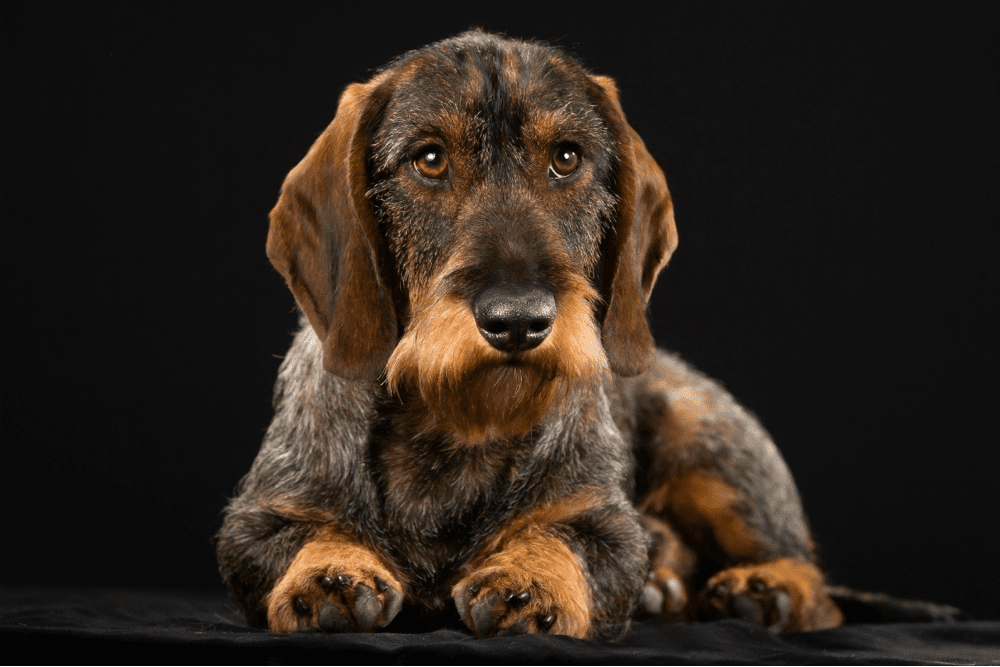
(651, 599)
(518, 599)
(301, 607)
(719, 591)
(781, 607)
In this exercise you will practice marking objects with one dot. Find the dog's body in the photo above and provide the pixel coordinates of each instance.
(459, 420)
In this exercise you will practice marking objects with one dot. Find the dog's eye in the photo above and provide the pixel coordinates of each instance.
(431, 162)
(565, 160)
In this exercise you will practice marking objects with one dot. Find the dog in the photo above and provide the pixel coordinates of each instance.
(473, 424)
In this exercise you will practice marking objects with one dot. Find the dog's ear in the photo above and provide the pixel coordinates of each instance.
(324, 239)
(638, 244)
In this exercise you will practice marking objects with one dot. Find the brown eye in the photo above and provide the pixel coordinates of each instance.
(431, 162)
(565, 160)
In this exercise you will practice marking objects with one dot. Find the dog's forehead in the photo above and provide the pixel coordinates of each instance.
(484, 84)
(471, 72)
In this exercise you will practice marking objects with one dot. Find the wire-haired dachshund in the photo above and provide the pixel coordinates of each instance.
(473, 420)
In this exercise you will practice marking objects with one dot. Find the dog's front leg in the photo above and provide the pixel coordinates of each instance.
(334, 584)
(534, 583)
(572, 567)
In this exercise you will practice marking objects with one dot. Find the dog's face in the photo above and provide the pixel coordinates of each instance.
(447, 227)
(497, 154)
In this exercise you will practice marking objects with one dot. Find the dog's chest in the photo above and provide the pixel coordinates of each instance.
(437, 506)
(434, 492)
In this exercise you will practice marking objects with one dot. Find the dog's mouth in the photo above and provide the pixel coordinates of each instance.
(514, 361)
(541, 369)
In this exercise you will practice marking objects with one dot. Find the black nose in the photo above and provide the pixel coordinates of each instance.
(514, 318)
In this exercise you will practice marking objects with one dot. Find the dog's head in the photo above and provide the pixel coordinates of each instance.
(478, 219)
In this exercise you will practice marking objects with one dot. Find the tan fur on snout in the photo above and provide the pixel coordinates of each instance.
(476, 393)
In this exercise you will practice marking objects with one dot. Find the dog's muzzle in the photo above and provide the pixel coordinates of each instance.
(515, 318)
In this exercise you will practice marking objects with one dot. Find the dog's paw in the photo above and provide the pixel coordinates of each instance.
(664, 594)
(781, 595)
(334, 588)
(507, 600)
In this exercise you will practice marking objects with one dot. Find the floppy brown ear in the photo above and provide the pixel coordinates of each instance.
(324, 240)
(637, 246)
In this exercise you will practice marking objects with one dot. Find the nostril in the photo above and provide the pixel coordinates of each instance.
(539, 325)
(495, 327)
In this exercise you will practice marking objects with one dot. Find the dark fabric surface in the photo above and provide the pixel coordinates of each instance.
(110, 625)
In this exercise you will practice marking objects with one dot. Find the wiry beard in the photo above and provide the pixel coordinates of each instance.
(475, 393)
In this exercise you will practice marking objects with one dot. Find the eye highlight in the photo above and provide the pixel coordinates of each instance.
(431, 162)
(565, 160)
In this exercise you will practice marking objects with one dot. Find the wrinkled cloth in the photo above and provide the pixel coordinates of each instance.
(147, 626)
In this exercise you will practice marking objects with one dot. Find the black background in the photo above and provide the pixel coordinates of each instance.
(834, 173)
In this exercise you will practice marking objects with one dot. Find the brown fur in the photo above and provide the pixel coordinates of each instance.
(711, 509)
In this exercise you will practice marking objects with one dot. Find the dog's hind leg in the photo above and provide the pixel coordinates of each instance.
(672, 563)
(713, 484)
